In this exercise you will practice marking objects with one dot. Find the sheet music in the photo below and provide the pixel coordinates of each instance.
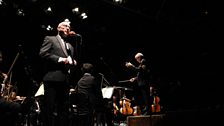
(40, 91)
(107, 92)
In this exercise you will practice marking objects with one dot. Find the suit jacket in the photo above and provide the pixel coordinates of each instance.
(50, 51)
(90, 89)
(143, 75)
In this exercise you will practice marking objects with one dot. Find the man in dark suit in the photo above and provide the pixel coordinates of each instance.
(143, 82)
(90, 95)
(58, 56)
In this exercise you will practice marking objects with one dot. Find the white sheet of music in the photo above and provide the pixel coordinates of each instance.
(107, 92)
(40, 91)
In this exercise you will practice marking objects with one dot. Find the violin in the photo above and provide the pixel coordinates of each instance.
(9, 93)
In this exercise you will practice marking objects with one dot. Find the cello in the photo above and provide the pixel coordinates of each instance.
(125, 106)
(137, 111)
(155, 107)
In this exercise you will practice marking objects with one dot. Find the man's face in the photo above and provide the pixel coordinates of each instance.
(64, 30)
(138, 59)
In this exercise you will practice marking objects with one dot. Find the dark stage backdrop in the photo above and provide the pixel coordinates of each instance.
(181, 42)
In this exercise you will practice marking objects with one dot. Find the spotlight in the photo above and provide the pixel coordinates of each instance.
(49, 28)
(83, 15)
(48, 10)
(20, 12)
(2, 2)
(67, 20)
(75, 10)
(119, 1)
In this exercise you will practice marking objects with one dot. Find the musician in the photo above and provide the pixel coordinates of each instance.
(143, 82)
(90, 95)
(57, 54)
(3, 76)
(9, 111)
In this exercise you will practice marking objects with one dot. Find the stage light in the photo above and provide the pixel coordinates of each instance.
(48, 10)
(67, 20)
(20, 12)
(83, 15)
(49, 28)
(119, 1)
(75, 10)
(1, 2)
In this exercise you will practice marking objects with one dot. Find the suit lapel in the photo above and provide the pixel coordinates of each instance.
(61, 44)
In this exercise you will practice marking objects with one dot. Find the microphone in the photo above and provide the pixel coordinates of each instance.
(72, 33)
(101, 74)
(78, 35)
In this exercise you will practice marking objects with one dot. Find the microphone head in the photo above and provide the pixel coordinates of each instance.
(78, 35)
(72, 33)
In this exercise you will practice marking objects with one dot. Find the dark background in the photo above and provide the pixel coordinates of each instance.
(180, 39)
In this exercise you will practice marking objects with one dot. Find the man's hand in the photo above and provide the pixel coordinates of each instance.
(132, 79)
(64, 60)
(71, 91)
(128, 64)
(67, 60)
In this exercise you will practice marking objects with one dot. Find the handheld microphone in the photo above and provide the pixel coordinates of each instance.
(78, 35)
(72, 33)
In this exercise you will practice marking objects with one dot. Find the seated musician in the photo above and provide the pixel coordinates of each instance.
(9, 111)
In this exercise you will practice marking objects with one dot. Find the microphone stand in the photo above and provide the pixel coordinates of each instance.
(103, 79)
(78, 46)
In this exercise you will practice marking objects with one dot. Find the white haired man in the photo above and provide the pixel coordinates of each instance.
(143, 82)
(58, 57)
